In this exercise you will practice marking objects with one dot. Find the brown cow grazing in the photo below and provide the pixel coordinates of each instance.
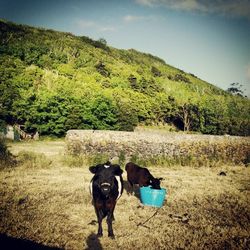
(141, 176)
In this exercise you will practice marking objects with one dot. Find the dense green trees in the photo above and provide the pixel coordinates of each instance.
(52, 82)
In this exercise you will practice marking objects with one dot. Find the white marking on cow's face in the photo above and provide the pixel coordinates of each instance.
(106, 166)
(118, 178)
(106, 183)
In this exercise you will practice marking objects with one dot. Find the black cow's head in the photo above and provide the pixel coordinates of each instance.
(156, 183)
(104, 176)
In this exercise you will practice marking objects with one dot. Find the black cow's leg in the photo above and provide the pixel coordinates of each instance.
(100, 217)
(110, 205)
(130, 189)
(109, 222)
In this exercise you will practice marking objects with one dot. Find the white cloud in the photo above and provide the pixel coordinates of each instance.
(130, 18)
(108, 28)
(233, 8)
(85, 24)
(147, 2)
(238, 8)
(188, 5)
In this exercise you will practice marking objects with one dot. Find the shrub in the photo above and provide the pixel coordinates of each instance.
(33, 160)
(181, 78)
(97, 158)
(156, 72)
(6, 158)
(75, 160)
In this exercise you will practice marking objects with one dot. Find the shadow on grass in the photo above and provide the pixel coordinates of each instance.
(135, 190)
(93, 242)
(8, 242)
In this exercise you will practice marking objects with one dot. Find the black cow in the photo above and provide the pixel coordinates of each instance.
(106, 188)
(141, 176)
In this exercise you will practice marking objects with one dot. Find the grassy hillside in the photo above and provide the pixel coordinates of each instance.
(54, 81)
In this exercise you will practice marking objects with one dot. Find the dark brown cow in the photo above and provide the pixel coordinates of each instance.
(141, 176)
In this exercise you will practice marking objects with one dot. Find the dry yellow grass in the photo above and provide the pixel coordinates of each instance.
(52, 206)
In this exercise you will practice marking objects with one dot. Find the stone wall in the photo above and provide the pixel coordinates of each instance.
(160, 144)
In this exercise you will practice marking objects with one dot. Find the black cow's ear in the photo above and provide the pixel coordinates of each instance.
(108, 163)
(93, 169)
(160, 179)
(118, 170)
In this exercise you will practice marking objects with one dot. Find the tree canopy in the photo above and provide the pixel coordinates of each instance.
(54, 81)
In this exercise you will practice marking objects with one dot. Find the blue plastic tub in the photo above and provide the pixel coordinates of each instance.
(152, 197)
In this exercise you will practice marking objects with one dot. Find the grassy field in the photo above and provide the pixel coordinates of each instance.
(45, 201)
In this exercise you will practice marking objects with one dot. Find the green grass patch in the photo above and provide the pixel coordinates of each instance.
(33, 160)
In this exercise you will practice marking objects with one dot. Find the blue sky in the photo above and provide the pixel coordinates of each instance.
(210, 39)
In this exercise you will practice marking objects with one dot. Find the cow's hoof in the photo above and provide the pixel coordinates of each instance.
(111, 236)
(99, 235)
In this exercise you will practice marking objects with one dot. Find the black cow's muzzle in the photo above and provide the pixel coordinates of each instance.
(105, 188)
